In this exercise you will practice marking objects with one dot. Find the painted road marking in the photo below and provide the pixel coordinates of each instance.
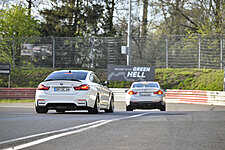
(85, 127)
(51, 132)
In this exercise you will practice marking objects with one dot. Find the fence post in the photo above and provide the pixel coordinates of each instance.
(9, 81)
(199, 53)
(92, 57)
(223, 64)
(221, 51)
(53, 52)
(92, 40)
(14, 52)
(167, 49)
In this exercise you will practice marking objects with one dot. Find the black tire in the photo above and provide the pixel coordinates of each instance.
(163, 108)
(129, 108)
(60, 110)
(111, 107)
(41, 110)
(95, 109)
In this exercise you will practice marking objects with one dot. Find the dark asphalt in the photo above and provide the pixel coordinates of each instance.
(182, 127)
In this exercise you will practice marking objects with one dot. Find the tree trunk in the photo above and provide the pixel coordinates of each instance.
(111, 15)
(144, 18)
(29, 6)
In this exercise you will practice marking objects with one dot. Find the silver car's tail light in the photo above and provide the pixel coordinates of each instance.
(82, 87)
(158, 92)
(132, 92)
(43, 87)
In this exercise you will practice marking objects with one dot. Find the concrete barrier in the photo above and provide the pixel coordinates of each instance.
(216, 97)
(187, 96)
(119, 94)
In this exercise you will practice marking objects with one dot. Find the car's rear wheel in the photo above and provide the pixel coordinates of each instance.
(129, 108)
(60, 110)
(163, 108)
(96, 107)
(111, 107)
(41, 110)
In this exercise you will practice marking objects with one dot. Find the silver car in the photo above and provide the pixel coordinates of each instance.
(73, 90)
(145, 95)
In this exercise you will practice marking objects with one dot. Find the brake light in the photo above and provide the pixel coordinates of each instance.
(43, 87)
(132, 93)
(158, 92)
(82, 87)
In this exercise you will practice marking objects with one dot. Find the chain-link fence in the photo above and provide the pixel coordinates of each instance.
(161, 51)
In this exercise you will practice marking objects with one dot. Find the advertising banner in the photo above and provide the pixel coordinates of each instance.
(131, 73)
(36, 49)
(5, 69)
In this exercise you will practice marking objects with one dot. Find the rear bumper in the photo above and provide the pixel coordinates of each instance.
(78, 101)
(146, 105)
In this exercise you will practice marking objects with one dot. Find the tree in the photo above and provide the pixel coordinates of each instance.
(107, 24)
(186, 16)
(72, 18)
(15, 22)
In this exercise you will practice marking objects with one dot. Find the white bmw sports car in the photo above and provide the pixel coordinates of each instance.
(73, 90)
(145, 95)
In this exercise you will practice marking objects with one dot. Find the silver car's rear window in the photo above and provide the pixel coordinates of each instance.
(67, 76)
(148, 85)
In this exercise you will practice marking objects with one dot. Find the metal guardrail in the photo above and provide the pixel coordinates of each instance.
(172, 96)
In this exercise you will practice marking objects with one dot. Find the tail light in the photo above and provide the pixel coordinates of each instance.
(43, 87)
(132, 93)
(82, 87)
(158, 92)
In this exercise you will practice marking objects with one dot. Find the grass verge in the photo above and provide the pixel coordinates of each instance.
(16, 100)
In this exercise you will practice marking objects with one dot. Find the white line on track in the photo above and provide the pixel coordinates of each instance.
(56, 131)
(66, 131)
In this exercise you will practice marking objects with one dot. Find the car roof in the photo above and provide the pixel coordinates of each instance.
(146, 82)
(74, 71)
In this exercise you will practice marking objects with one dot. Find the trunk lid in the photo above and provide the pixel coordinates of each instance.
(61, 87)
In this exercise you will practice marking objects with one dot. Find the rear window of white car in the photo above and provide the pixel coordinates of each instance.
(147, 85)
(67, 76)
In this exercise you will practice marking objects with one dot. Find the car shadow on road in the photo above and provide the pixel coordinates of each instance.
(121, 113)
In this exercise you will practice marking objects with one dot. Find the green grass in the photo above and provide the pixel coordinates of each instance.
(16, 101)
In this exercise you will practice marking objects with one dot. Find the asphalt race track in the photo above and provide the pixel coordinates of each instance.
(181, 127)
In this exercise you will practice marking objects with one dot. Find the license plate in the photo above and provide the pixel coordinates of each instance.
(61, 89)
(145, 94)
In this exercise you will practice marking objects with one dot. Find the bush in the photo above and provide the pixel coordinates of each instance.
(190, 79)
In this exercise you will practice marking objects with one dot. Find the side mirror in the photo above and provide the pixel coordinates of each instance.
(105, 83)
(165, 90)
(126, 91)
